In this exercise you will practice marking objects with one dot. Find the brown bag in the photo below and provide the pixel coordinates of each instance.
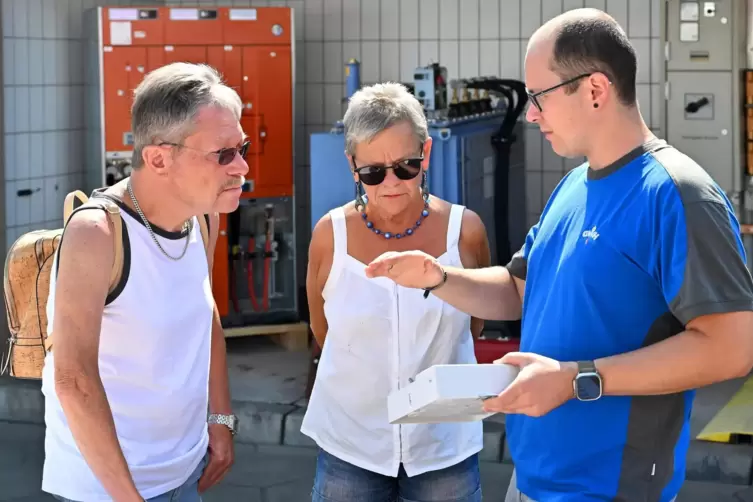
(27, 284)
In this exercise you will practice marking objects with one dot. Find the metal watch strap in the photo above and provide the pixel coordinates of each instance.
(586, 367)
(229, 421)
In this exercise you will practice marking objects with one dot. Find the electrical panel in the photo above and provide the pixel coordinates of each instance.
(704, 54)
(252, 48)
(700, 35)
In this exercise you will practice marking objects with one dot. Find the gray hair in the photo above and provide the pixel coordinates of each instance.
(375, 108)
(168, 100)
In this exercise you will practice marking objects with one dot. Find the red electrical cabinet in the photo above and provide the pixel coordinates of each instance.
(253, 50)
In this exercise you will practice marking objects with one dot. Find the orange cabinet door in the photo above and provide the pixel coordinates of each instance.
(267, 87)
(121, 76)
(227, 60)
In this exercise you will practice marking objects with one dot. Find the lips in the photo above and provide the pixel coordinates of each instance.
(238, 184)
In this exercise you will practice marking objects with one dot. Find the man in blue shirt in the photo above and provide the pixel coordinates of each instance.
(633, 286)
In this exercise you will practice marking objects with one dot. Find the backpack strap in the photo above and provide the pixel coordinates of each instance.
(113, 213)
(204, 228)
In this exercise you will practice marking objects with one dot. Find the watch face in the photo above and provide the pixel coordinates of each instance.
(588, 387)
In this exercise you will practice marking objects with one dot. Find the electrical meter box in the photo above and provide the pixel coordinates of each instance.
(700, 35)
(252, 49)
(704, 53)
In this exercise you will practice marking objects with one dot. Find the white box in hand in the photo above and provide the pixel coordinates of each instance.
(449, 393)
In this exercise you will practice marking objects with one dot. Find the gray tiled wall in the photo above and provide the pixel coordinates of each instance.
(43, 89)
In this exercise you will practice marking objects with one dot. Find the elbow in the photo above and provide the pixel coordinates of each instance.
(73, 385)
(745, 365)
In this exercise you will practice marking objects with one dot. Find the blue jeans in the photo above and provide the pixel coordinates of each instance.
(339, 481)
(187, 492)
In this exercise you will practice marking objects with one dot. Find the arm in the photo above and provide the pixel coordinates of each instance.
(219, 388)
(474, 253)
(321, 251)
(221, 449)
(709, 290)
(83, 279)
(494, 293)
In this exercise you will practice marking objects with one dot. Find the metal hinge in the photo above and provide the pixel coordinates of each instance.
(666, 91)
(666, 50)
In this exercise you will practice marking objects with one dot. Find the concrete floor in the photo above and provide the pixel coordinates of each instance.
(263, 372)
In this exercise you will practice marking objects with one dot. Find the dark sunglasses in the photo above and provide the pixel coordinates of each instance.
(405, 170)
(224, 156)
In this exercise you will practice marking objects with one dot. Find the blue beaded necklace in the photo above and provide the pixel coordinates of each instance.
(409, 231)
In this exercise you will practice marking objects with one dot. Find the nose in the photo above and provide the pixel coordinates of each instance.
(239, 166)
(390, 177)
(532, 113)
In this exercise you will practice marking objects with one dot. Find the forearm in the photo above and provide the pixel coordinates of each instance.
(485, 293)
(689, 360)
(90, 419)
(219, 387)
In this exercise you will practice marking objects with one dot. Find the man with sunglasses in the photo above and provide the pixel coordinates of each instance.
(633, 286)
(134, 369)
(376, 336)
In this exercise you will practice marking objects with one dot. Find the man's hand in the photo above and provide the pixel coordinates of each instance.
(221, 456)
(542, 385)
(410, 269)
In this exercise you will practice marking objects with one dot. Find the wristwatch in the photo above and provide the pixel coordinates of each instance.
(229, 421)
(587, 385)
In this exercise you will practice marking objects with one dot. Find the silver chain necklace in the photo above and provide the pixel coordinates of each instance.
(149, 227)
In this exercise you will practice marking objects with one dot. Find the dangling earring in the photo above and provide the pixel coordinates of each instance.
(360, 197)
(424, 188)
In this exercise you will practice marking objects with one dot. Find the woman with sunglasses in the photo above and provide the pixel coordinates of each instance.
(375, 335)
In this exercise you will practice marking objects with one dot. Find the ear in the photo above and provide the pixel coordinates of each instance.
(600, 89)
(351, 166)
(427, 154)
(157, 158)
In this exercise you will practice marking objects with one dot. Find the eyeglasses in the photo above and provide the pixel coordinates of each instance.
(534, 97)
(405, 170)
(224, 156)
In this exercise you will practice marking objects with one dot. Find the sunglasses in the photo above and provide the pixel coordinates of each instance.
(224, 156)
(405, 170)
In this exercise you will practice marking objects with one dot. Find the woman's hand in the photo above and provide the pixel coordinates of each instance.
(411, 269)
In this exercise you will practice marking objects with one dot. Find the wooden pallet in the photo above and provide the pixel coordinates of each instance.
(291, 336)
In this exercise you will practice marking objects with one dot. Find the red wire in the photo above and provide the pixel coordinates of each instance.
(250, 276)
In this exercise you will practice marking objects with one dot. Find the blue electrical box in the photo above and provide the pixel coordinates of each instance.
(461, 170)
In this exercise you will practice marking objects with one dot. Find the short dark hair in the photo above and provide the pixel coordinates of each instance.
(593, 44)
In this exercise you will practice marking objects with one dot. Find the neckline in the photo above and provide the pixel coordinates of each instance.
(648, 146)
(167, 234)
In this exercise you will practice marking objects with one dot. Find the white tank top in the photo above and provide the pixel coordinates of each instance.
(154, 364)
(379, 336)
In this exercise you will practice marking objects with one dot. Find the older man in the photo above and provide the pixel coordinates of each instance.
(633, 285)
(133, 373)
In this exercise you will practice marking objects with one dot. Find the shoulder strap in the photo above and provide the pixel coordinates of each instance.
(113, 213)
(340, 231)
(204, 228)
(453, 227)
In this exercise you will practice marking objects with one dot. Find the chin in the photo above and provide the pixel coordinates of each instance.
(394, 206)
(227, 201)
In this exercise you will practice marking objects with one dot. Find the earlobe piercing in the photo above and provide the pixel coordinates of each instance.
(596, 105)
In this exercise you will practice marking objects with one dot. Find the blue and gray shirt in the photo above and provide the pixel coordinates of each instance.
(621, 258)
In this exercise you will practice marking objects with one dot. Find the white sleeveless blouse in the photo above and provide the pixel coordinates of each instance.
(380, 335)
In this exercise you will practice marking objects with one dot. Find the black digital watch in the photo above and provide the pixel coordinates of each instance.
(587, 385)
